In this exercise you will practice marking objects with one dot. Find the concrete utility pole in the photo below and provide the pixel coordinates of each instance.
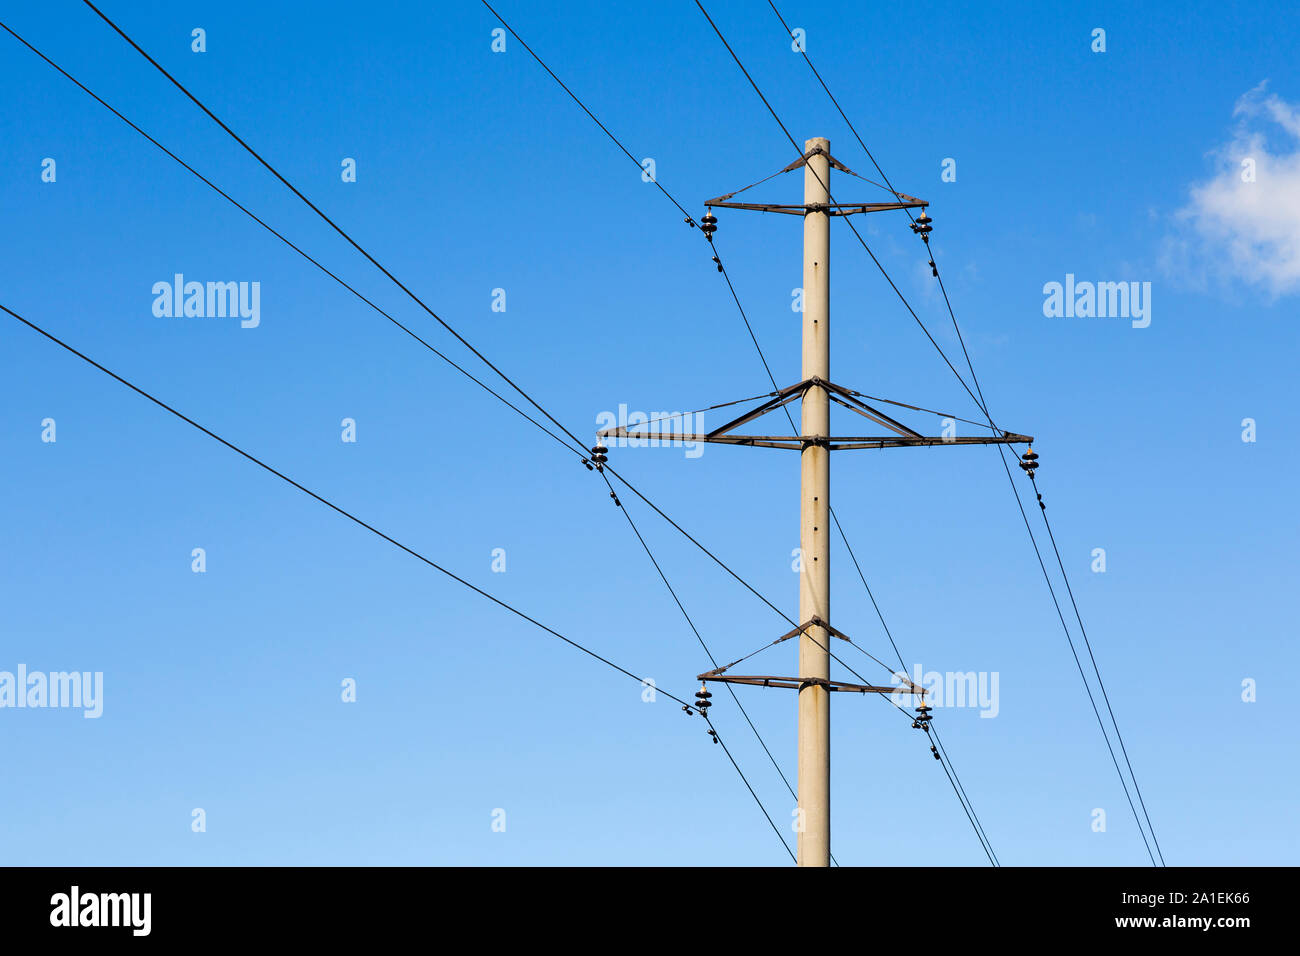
(815, 392)
(814, 778)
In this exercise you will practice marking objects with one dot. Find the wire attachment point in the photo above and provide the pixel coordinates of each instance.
(1029, 462)
(923, 718)
(922, 228)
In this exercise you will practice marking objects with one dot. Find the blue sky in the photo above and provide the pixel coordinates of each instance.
(475, 172)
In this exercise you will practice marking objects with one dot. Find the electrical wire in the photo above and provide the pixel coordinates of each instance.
(1097, 670)
(847, 220)
(626, 483)
(392, 277)
(329, 504)
(966, 806)
(690, 708)
(335, 226)
(583, 107)
(984, 407)
(779, 834)
(253, 216)
(744, 316)
(1075, 653)
(708, 653)
(371, 258)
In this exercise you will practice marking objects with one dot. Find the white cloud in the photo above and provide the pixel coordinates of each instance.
(1235, 228)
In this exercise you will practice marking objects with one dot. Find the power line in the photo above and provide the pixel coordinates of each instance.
(1075, 653)
(583, 107)
(961, 791)
(335, 226)
(848, 221)
(779, 834)
(378, 265)
(691, 623)
(708, 653)
(958, 789)
(288, 242)
(963, 798)
(890, 186)
(957, 784)
(329, 504)
(735, 297)
(673, 199)
(951, 772)
(383, 313)
(690, 708)
(717, 256)
(691, 538)
(419, 301)
(767, 367)
(1097, 670)
(363, 298)
(981, 401)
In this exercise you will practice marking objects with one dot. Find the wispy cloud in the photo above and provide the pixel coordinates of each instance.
(1244, 223)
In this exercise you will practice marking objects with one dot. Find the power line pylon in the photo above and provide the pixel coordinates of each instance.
(815, 393)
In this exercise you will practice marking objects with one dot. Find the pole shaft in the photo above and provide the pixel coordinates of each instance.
(814, 840)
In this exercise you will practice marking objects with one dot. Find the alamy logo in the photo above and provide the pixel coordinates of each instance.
(1118, 300)
(82, 689)
(658, 429)
(212, 300)
(950, 689)
(75, 908)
